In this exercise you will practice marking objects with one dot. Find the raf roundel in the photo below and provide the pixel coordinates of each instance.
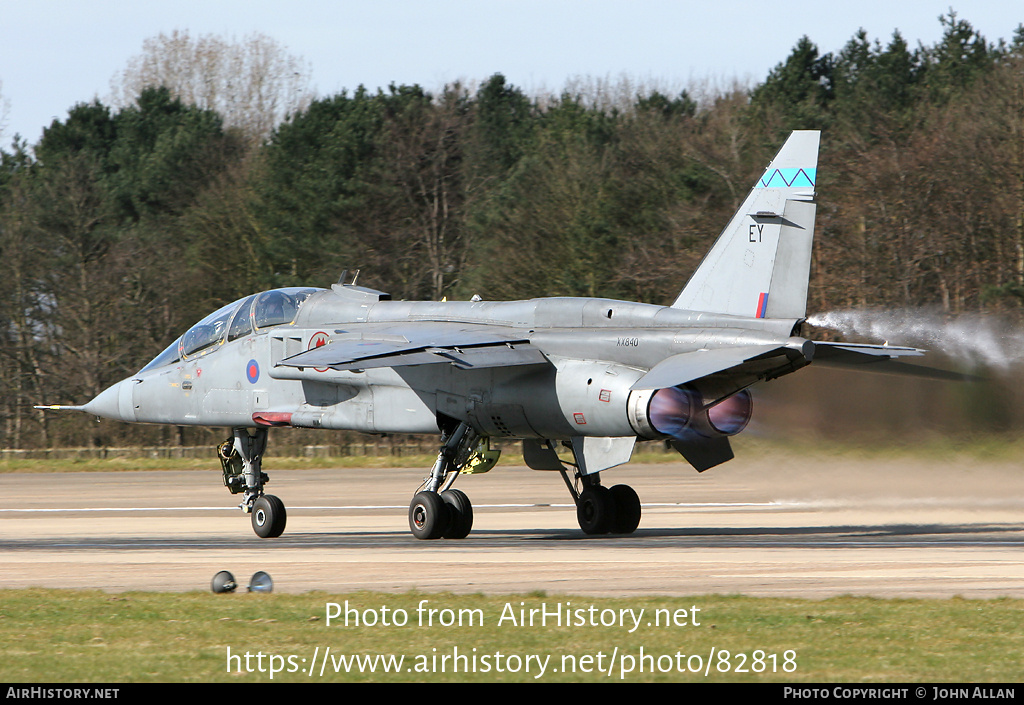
(252, 371)
(318, 340)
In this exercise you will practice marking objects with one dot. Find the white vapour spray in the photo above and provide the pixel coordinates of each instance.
(971, 340)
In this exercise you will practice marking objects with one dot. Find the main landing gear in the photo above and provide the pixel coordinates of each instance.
(241, 458)
(599, 509)
(437, 510)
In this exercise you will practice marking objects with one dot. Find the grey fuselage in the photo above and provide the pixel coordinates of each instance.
(595, 350)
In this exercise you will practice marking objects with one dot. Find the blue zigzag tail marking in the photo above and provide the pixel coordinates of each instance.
(788, 178)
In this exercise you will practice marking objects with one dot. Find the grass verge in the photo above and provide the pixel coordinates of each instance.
(89, 636)
(211, 463)
(980, 449)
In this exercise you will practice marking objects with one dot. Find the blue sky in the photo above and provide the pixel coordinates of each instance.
(55, 53)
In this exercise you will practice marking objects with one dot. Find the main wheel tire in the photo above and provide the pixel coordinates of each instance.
(429, 516)
(268, 517)
(627, 509)
(595, 510)
(461, 510)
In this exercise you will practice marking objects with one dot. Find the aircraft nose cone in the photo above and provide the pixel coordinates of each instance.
(114, 402)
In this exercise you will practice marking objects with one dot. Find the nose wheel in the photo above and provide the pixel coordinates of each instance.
(241, 458)
(268, 517)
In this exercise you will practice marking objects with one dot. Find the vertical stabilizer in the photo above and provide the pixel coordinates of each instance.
(760, 265)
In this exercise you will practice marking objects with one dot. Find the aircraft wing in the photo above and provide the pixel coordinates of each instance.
(464, 345)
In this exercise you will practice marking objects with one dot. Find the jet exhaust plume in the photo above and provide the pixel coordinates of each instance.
(973, 341)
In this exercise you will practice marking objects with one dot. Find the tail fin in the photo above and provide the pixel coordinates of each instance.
(760, 265)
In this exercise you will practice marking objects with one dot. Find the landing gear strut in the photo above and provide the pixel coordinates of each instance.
(600, 510)
(241, 458)
(437, 511)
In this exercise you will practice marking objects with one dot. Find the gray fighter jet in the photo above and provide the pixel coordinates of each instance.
(586, 377)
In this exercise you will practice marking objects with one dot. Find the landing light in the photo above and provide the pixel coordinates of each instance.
(261, 582)
(225, 582)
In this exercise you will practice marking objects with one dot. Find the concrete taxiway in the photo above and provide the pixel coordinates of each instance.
(771, 525)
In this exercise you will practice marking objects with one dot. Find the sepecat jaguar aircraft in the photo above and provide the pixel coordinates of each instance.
(586, 376)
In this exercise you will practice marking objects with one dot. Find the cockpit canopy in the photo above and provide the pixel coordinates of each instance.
(236, 320)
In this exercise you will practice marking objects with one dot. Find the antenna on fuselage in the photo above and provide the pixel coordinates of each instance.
(344, 273)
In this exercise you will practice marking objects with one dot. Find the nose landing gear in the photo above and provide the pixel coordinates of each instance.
(241, 458)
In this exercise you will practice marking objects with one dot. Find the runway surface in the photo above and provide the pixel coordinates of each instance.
(770, 525)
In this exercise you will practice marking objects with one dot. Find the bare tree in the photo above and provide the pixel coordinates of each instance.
(422, 155)
(5, 109)
(253, 84)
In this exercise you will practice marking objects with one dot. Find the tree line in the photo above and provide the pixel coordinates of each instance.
(127, 222)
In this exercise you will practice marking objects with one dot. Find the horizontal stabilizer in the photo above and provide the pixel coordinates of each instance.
(833, 350)
(880, 359)
(687, 367)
